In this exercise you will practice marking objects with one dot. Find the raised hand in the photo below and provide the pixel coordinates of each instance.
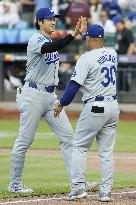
(81, 26)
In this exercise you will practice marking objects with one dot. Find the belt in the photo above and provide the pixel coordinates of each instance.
(49, 89)
(101, 98)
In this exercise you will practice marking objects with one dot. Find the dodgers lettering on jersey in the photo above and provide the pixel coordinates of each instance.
(41, 68)
(51, 57)
(96, 72)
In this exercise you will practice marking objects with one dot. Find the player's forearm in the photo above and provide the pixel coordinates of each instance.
(56, 45)
(69, 93)
(131, 49)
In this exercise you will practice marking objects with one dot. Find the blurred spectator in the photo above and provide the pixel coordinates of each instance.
(123, 4)
(110, 1)
(18, 71)
(55, 6)
(65, 71)
(125, 39)
(59, 34)
(131, 4)
(9, 15)
(42, 4)
(76, 10)
(128, 24)
(125, 46)
(27, 11)
(95, 10)
(107, 24)
(11, 82)
(113, 8)
(62, 9)
(132, 18)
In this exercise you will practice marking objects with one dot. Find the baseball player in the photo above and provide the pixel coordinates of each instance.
(96, 72)
(37, 97)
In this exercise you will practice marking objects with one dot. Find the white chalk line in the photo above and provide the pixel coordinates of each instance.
(60, 198)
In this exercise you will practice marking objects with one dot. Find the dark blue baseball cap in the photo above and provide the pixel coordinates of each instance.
(46, 13)
(117, 19)
(94, 31)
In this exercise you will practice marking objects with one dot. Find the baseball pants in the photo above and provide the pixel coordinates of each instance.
(103, 127)
(34, 104)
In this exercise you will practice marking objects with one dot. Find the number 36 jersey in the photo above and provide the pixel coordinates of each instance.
(96, 72)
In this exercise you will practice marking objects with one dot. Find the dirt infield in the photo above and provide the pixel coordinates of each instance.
(12, 115)
(124, 162)
(119, 197)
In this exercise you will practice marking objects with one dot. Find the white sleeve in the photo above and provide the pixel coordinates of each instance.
(81, 71)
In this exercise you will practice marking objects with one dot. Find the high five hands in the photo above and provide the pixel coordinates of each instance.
(81, 26)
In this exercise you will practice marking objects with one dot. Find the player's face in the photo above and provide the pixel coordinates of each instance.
(119, 26)
(49, 25)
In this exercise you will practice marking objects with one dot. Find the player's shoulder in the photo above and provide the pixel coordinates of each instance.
(39, 38)
(83, 58)
(89, 55)
(110, 50)
(86, 54)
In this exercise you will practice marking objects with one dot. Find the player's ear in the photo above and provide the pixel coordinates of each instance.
(40, 22)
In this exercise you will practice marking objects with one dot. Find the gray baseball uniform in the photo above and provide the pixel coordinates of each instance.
(35, 102)
(96, 72)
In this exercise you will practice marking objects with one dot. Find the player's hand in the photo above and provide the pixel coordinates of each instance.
(58, 109)
(81, 26)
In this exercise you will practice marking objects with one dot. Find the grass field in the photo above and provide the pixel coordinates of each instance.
(45, 138)
(47, 175)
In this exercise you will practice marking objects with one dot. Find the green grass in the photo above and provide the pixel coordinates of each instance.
(125, 142)
(47, 176)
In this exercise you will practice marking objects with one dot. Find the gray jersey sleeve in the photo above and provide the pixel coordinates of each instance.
(36, 42)
(81, 70)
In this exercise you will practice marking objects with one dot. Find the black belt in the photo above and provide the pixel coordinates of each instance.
(100, 98)
(49, 89)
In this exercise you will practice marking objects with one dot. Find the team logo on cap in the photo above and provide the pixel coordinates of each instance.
(51, 10)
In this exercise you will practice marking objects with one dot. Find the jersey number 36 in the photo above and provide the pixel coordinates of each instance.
(110, 75)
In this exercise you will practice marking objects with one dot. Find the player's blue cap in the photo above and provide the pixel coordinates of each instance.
(94, 31)
(117, 19)
(46, 13)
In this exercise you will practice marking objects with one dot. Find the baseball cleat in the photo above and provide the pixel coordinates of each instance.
(104, 197)
(91, 185)
(19, 188)
(76, 194)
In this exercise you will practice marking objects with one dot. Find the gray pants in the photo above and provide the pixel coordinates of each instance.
(103, 127)
(34, 104)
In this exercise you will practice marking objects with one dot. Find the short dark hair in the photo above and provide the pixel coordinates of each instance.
(122, 21)
(37, 24)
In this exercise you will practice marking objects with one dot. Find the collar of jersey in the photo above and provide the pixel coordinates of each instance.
(46, 37)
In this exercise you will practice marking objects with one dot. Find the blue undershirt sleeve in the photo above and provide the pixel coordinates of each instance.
(69, 93)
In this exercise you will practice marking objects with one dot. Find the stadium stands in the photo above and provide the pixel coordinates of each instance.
(25, 34)
(2, 41)
(10, 36)
(15, 36)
